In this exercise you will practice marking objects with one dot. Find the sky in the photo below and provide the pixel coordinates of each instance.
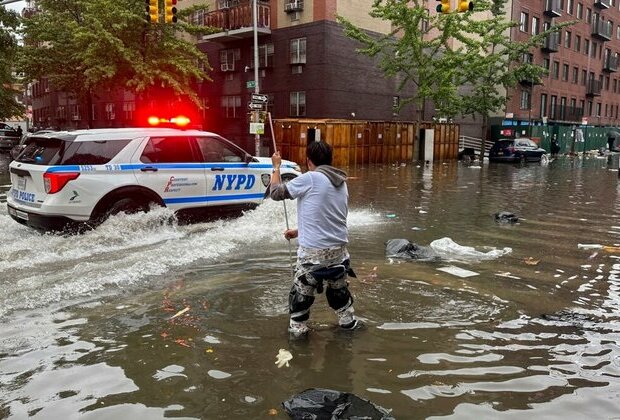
(16, 6)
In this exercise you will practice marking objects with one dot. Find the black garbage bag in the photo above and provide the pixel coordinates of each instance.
(327, 404)
(506, 217)
(402, 248)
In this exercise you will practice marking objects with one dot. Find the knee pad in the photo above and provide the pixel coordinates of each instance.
(339, 298)
(299, 305)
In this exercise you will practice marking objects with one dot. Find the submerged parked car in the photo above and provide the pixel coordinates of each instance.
(9, 138)
(16, 150)
(517, 150)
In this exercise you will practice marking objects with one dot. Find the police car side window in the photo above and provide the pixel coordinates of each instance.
(168, 150)
(216, 150)
(92, 152)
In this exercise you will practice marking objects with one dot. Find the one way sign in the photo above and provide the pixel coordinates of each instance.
(259, 98)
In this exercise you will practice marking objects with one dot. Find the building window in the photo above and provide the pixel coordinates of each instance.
(523, 22)
(579, 10)
(573, 107)
(535, 25)
(543, 105)
(618, 32)
(298, 51)
(565, 72)
(584, 76)
(586, 47)
(589, 15)
(555, 70)
(298, 104)
(563, 108)
(577, 42)
(589, 108)
(546, 63)
(607, 83)
(593, 49)
(567, 39)
(575, 75)
(229, 59)
(554, 102)
(615, 85)
(61, 112)
(128, 110)
(231, 106)
(265, 56)
(525, 99)
(598, 109)
(75, 112)
(570, 7)
(109, 111)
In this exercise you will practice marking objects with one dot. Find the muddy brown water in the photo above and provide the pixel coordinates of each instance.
(88, 327)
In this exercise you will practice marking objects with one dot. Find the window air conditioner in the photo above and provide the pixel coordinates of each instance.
(293, 6)
(227, 67)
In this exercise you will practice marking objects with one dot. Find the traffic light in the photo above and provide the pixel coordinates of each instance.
(465, 6)
(170, 11)
(444, 7)
(152, 10)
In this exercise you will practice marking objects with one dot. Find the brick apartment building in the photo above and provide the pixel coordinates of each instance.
(308, 68)
(582, 61)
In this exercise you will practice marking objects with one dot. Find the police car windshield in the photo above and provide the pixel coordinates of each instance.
(54, 151)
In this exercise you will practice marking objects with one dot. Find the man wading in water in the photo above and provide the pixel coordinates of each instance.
(322, 207)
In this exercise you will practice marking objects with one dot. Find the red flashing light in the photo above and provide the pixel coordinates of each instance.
(56, 181)
(178, 121)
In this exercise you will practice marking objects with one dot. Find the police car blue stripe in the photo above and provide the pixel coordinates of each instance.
(135, 166)
(205, 199)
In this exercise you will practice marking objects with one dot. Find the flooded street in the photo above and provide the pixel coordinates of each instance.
(89, 328)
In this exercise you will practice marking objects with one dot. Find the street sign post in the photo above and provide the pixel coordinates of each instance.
(255, 106)
(250, 84)
(256, 97)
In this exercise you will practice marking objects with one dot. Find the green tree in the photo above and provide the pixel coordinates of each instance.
(490, 62)
(462, 62)
(87, 46)
(9, 106)
(413, 52)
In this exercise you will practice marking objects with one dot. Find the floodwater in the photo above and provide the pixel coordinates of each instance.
(89, 328)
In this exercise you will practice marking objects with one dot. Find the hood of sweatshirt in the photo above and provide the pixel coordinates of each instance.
(336, 176)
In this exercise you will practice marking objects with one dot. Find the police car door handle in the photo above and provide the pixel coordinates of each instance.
(217, 168)
(148, 169)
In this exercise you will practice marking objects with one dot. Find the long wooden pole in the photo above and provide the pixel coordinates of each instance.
(275, 149)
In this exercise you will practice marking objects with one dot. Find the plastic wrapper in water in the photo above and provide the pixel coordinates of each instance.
(327, 404)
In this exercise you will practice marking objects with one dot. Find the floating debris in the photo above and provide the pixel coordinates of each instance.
(181, 312)
(283, 357)
(507, 275)
(531, 261)
(589, 246)
(458, 271)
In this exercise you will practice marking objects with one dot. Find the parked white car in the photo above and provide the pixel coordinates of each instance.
(63, 180)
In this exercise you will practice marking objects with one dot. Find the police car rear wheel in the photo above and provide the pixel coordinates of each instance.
(126, 205)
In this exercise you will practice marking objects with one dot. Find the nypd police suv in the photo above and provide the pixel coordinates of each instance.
(63, 180)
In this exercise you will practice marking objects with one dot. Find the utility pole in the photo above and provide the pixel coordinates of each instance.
(256, 81)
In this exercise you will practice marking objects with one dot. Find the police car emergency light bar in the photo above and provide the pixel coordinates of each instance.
(179, 121)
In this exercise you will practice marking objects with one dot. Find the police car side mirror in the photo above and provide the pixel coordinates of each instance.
(248, 158)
